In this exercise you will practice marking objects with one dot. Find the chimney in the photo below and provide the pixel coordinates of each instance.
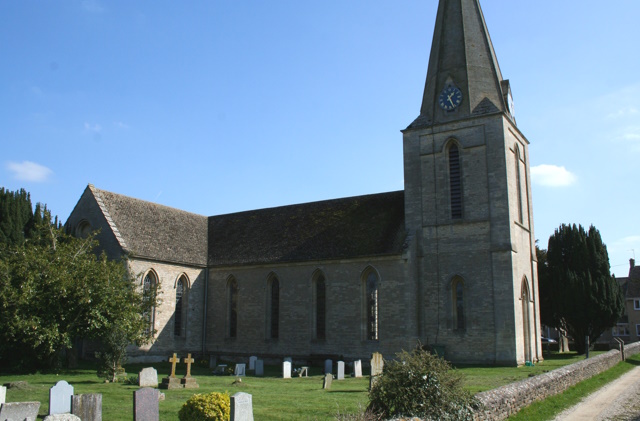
(632, 263)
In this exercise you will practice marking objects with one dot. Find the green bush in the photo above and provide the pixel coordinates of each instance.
(206, 407)
(419, 384)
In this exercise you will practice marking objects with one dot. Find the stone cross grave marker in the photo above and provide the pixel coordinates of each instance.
(23, 411)
(87, 406)
(187, 381)
(259, 368)
(326, 383)
(148, 377)
(240, 370)
(286, 370)
(172, 382)
(145, 404)
(357, 368)
(377, 363)
(328, 366)
(173, 360)
(60, 398)
(340, 370)
(241, 407)
(3, 394)
(252, 362)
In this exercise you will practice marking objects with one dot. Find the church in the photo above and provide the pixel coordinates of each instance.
(448, 262)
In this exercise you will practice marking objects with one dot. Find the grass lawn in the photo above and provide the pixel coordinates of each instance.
(274, 398)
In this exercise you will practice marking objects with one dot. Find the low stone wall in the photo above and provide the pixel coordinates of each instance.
(504, 401)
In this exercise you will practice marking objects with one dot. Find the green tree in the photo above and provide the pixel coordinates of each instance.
(16, 213)
(577, 292)
(55, 289)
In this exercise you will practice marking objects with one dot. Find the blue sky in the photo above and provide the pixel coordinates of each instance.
(223, 106)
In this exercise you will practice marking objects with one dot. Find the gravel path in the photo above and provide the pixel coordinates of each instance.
(619, 401)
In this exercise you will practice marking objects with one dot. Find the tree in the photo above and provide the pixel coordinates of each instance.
(577, 292)
(16, 213)
(54, 289)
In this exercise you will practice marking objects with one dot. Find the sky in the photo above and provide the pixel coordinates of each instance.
(223, 106)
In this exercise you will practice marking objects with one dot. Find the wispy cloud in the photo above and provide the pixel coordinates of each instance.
(120, 125)
(29, 171)
(552, 176)
(92, 6)
(94, 128)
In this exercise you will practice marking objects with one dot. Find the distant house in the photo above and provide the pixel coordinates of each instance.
(628, 327)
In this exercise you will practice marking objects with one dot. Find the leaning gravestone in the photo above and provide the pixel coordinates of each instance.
(87, 406)
(3, 394)
(23, 411)
(357, 368)
(286, 370)
(145, 405)
(148, 377)
(377, 363)
(240, 370)
(252, 362)
(326, 383)
(328, 366)
(259, 368)
(340, 375)
(241, 407)
(60, 398)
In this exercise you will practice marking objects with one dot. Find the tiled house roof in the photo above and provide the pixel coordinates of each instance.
(362, 226)
(146, 229)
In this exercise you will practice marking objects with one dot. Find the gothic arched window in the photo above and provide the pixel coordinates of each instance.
(232, 308)
(519, 187)
(273, 308)
(457, 289)
(149, 287)
(455, 181)
(371, 288)
(180, 313)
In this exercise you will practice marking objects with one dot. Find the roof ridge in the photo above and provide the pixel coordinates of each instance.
(107, 216)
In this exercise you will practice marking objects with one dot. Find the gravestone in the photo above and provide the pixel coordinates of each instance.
(357, 368)
(23, 411)
(187, 381)
(172, 382)
(377, 363)
(145, 405)
(241, 407)
(328, 366)
(304, 371)
(221, 370)
(213, 361)
(252, 362)
(60, 398)
(288, 359)
(3, 394)
(148, 377)
(326, 383)
(87, 406)
(240, 370)
(259, 368)
(286, 370)
(340, 370)
(62, 417)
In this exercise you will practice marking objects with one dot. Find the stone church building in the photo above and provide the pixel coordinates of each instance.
(448, 262)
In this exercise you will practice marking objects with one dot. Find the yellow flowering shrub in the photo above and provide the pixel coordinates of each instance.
(212, 406)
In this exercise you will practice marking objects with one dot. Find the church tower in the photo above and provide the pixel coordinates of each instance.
(468, 201)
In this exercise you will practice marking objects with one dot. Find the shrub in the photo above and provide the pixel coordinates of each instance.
(419, 384)
(206, 407)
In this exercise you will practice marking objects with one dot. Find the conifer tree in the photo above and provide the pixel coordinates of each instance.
(577, 292)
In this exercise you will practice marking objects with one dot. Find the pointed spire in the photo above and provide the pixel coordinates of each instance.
(462, 57)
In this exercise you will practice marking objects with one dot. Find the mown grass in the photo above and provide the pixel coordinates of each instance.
(274, 398)
(552, 406)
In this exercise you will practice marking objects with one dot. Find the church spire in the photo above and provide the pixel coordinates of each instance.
(464, 77)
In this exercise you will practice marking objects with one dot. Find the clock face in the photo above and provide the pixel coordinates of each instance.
(450, 98)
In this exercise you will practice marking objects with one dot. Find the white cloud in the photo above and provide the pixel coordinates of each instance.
(29, 171)
(95, 128)
(120, 125)
(92, 6)
(552, 176)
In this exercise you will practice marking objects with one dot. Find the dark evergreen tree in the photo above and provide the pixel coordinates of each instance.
(16, 214)
(577, 292)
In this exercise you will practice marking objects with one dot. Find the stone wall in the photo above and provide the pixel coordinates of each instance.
(504, 401)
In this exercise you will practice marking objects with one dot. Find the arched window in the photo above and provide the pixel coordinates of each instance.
(232, 308)
(273, 308)
(371, 288)
(526, 319)
(149, 287)
(180, 313)
(457, 289)
(519, 186)
(320, 305)
(455, 181)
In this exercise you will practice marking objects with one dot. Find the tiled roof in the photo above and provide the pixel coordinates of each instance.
(362, 226)
(146, 229)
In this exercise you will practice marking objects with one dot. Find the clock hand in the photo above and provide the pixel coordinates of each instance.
(449, 98)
